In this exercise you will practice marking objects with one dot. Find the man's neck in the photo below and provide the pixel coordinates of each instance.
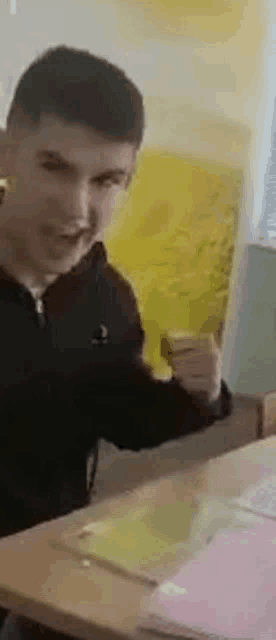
(21, 270)
(37, 284)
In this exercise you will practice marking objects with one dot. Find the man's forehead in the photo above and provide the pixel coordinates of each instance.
(67, 133)
(79, 145)
(61, 130)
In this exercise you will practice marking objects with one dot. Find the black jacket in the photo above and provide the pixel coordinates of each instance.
(71, 377)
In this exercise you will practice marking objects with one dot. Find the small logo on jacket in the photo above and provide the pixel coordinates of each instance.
(100, 336)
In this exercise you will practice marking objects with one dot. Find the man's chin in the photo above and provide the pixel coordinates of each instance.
(60, 266)
(55, 263)
(58, 269)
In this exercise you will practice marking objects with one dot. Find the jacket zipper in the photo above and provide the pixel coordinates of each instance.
(39, 306)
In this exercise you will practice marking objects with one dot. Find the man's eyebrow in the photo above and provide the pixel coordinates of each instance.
(42, 154)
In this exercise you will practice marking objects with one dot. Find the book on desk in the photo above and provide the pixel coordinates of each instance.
(136, 540)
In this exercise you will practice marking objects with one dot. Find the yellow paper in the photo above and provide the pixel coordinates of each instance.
(183, 341)
(136, 541)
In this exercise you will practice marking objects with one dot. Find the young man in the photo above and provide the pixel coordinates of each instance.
(71, 336)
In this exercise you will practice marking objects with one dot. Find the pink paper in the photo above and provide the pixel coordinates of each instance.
(230, 590)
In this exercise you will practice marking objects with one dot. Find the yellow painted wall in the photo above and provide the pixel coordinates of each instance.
(212, 20)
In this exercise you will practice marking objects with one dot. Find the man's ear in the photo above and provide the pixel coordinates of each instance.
(4, 138)
(6, 148)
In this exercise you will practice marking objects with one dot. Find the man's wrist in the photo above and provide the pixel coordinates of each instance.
(207, 399)
(215, 395)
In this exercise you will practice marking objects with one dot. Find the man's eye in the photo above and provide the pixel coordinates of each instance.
(108, 182)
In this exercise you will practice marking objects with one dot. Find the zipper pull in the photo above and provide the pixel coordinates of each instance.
(40, 311)
(39, 306)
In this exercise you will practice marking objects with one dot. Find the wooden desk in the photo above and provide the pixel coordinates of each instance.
(56, 589)
(253, 418)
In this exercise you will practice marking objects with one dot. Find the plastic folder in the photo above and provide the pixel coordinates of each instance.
(136, 541)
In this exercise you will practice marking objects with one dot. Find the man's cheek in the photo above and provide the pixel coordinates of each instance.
(18, 191)
(120, 199)
(106, 215)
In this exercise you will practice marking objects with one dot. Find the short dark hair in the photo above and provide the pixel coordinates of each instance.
(78, 87)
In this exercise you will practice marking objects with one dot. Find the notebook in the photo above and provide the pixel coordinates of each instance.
(228, 591)
(137, 541)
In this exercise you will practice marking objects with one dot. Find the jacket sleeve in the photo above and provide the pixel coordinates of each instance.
(142, 413)
(135, 411)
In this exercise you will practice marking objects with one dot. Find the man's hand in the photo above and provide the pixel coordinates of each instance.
(196, 363)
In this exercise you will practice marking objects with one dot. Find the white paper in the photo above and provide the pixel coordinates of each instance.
(261, 498)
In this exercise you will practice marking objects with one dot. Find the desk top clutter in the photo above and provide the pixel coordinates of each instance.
(75, 594)
(228, 591)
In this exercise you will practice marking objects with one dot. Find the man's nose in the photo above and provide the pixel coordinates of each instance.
(75, 204)
(80, 204)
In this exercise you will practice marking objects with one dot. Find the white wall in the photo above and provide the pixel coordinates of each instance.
(245, 324)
